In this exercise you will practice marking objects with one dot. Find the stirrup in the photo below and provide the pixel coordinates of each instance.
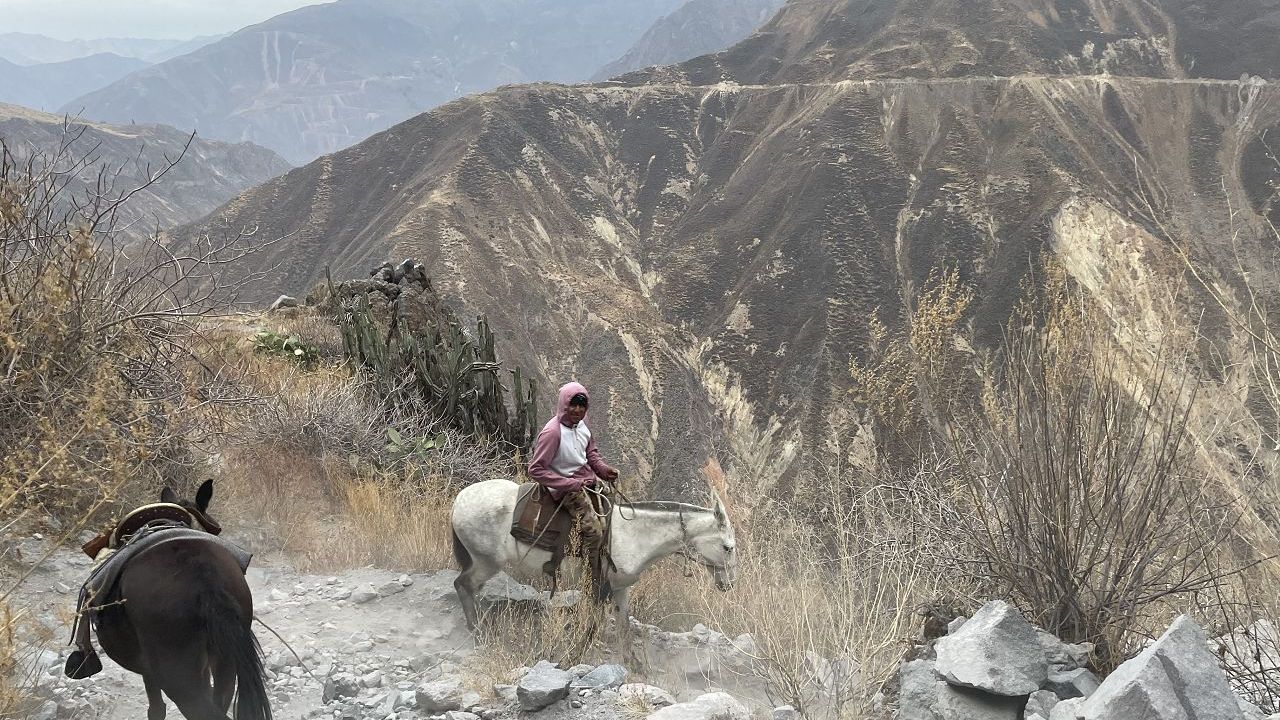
(81, 665)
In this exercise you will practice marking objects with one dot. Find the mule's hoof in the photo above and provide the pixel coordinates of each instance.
(81, 665)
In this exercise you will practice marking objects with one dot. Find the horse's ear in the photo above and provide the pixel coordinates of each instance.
(722, 515)
(204, 495)
(167, 495)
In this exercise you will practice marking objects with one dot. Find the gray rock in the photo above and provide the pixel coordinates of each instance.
(956, 624)
(392, 587)
(339, 685)
(543, 685)
(1063, 655)
(997, 650)
(1176, 678)
(1068, 684)
(440, 696)
(505, 692)
(1067, 710)
(364, 595)
(47, 711)
(459, 715)
(1041, 703)
(925, 696)
(711, 706)
(601, 678)
(284, 301)
(1251, 711)
(579, 670)
(648, 695)
(785, 712)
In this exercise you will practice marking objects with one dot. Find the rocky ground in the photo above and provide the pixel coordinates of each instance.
(377, 644)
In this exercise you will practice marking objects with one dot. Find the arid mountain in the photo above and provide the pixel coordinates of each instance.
(47, 87)
(32, 49)
(696, 28)
(704, 244)
(209, 174)
(325, 76)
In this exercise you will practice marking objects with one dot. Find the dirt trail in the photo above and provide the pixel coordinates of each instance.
(370, 638)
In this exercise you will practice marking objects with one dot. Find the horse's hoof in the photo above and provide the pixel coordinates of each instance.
(81, 665)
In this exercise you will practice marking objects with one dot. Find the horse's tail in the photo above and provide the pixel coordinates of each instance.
(460, 552)
(231, 638)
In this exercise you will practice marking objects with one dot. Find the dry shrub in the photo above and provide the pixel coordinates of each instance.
(1059, 474)
(1080, 483)
(98, 385)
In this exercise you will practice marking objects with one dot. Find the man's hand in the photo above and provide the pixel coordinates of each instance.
(610, 474)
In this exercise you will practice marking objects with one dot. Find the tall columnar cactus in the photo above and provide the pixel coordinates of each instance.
(449, 374)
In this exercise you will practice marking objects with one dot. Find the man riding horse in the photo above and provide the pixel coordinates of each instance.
(566, 462)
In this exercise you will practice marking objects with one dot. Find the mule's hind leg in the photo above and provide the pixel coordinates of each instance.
(467, 584)
(224, 682)
(155, 700)
(185, 679)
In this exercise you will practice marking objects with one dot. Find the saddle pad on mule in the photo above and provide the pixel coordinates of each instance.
(100, 588)
(538, 519)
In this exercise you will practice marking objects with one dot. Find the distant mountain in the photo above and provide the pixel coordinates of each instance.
(48, 86)
(323, 77)
(209, 175)
(32, 49)
(705, 244)
(698, 27)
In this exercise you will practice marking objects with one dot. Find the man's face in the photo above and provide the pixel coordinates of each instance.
(574, 414)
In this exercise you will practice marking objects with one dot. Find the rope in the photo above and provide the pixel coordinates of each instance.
(289, 647)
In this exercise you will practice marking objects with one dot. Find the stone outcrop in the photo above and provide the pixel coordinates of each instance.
(996, 666)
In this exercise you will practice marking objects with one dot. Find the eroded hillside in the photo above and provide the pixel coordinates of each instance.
(712, 253)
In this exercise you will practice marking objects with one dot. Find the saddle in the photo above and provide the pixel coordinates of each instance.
(130, 524)
(539, 519)
(543, 522)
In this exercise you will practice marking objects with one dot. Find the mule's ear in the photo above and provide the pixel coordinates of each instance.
(204, 495)
(722, 515)
(167, 495)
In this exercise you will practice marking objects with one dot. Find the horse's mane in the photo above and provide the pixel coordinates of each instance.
(662, 506)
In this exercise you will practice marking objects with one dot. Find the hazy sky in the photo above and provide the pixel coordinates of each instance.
(70, 19)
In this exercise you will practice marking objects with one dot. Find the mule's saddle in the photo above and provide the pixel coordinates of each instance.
(543, 522)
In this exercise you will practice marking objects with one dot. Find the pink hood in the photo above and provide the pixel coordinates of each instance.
(562, 403)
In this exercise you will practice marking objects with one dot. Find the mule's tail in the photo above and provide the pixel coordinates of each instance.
(231, 638)
(460, 552)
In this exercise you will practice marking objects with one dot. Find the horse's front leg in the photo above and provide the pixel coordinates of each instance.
(155, 700)
(622, 623)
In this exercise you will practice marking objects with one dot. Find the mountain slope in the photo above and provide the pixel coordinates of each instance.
(709, 253)
(33, 49)
(47, 87)
(696, 28)
(325, 76)
(210, 174)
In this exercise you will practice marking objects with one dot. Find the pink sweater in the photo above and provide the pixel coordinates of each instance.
(546, 447)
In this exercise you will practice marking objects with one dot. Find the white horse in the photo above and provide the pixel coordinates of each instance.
(643, 533)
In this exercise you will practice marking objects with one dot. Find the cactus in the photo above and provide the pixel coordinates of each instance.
(451, 375)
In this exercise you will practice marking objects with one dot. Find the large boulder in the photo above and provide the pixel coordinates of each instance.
(1176, 678)
(440, 696)
(545, 684)
(647, 695)
(997, 650)
(924, 695)
(712, 706)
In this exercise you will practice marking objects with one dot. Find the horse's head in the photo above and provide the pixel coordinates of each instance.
(199, 509)
(717, 548)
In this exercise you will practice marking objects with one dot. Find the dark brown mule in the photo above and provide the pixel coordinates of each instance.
(182, 623)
